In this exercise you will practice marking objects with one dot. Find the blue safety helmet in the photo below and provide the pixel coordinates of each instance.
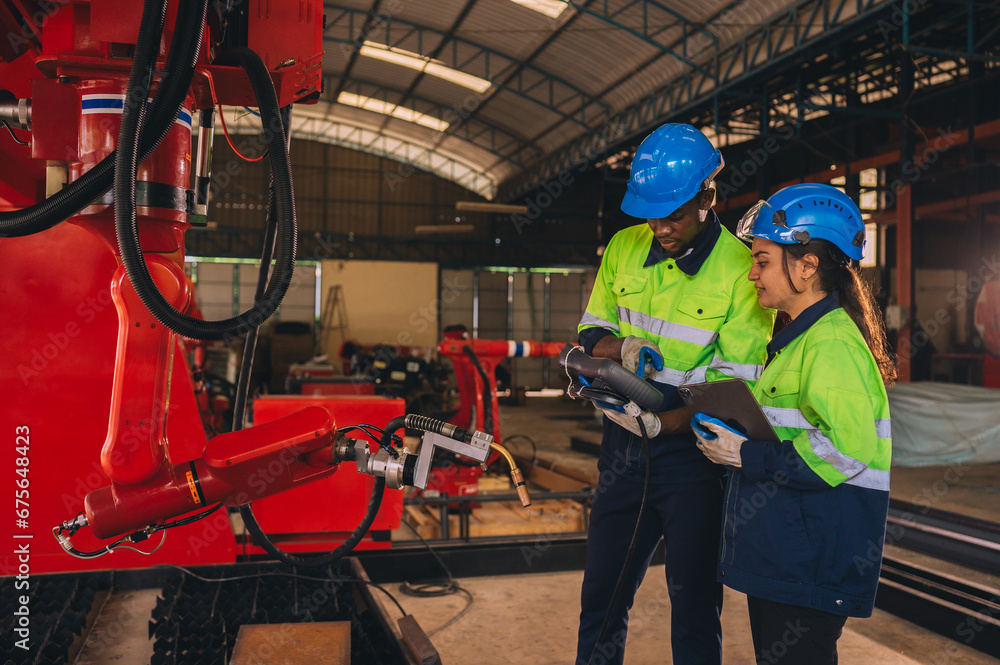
(800, 213)
(670, 167)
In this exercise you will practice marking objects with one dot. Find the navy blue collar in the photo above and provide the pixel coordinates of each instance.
(802, 323)
(690, 263)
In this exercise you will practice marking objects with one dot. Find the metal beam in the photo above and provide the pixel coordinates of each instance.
(479, 133)
(759, 51)
(448, 252)
(370, 24)
(409, 154)
(722, 13)
(555, 92)
(530, 57)
(433, 54)
(644, 33)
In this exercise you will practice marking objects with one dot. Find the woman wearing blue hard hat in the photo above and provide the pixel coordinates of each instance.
(804, 520)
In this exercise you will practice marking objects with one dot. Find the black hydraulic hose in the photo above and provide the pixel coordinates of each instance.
(631, 545)
(316, 561)
(239, 411)
(488, 401)
(133, 114)
(170, 94)
(285, 241)
(270, 231)
(344, 548)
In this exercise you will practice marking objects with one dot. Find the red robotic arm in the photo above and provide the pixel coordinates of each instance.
(73, 79)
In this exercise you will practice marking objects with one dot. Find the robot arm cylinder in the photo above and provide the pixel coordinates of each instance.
(236, 468)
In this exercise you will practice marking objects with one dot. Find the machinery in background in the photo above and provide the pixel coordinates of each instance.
(391, 371)
(214, 393)
(94, 203)
(476, 362)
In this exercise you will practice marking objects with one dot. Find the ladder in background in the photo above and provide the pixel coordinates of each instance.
(334, 329)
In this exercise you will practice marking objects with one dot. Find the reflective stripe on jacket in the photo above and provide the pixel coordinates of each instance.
(708, 325)
(805, 518)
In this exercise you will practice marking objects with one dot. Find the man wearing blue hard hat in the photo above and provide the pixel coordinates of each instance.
(671, 302)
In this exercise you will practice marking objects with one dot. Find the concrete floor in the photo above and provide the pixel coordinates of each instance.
(533, 618)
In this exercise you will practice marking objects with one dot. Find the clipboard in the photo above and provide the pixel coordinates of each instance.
(731, 401)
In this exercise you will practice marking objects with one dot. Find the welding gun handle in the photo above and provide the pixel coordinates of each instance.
(614, 375)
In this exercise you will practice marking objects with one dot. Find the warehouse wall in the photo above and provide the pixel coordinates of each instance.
(517, 304)
(223, 290)
(386, 302)
(338, 190)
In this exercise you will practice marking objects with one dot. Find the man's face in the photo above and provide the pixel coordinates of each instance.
(678, 231)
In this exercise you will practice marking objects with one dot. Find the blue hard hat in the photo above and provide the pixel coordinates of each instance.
(800, 213)
(668, 170)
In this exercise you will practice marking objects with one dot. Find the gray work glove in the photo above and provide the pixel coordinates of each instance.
(638, 352)
(649, 420)
(723, 445)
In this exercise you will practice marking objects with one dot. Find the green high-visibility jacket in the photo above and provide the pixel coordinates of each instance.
(707, 325)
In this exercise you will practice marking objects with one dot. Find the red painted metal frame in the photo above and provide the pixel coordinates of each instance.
(462, 480)
(490, 354)
(98, 389)
(321, 516)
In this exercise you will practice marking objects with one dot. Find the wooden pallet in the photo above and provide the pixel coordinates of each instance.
(502, 519)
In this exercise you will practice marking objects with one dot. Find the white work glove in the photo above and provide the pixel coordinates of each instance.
(724, 448)
(634, 348)
(649, 421)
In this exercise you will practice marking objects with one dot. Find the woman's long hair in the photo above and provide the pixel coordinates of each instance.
(837, 272)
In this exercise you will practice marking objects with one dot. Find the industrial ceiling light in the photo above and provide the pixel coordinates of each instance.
(394, 110)
(423, 64)
(478, 206)
(551, 8)
(443, 229)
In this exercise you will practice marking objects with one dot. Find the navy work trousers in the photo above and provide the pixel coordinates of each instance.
(791, 635)
(688, 517)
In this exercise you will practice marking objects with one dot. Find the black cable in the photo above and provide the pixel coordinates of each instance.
(375, 437)
(170, 95)
(337, 553)
(242, 389)
(243, 386)
(422, 590)
(188, 520)
(631, 545)
(132, 537)
(107, 549)
(488, 397)
(432, 589)
(316, 561)
(127, 229)
(12, 134)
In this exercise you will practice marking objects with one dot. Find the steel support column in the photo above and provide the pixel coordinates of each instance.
(904, 214)
(904, 279)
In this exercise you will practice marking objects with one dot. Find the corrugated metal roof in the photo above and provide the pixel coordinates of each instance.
(553, 80)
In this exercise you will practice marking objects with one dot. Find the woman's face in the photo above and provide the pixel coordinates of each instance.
(768, 276)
